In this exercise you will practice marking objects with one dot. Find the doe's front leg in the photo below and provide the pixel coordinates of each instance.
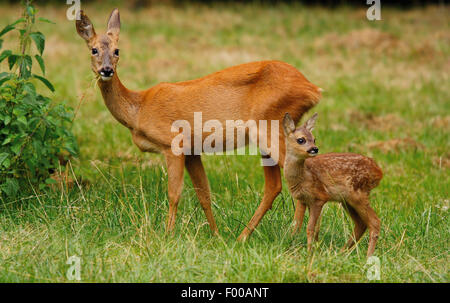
(175, 171)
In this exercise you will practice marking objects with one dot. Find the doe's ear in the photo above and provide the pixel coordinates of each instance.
(85, 28)
(288, 124)
(114, 24)
(309, 125)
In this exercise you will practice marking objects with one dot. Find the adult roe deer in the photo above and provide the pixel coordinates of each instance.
(259, 91)
(316, 179)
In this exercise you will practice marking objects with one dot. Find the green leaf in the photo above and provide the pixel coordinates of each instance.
(10, 187)
(4, 78)
(3, 157)
(1, 43)
(46, 20)
(41, 63)
(6, 29)
(7, 140)
(27, 59)
(25, 66)
(12, 60)
(39, 40)
(45, 81)
(18, 21)
(22, 119)
(7, 162)
(71, 148)
(5, 54)
(19, 112)
(16, 147)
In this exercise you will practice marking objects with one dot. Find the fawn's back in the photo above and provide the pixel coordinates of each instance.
(340, 175)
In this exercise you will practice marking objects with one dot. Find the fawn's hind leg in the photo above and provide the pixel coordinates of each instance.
(371, 220)
(360, 226)
(316, 231)
(374, 226)
(298, 217)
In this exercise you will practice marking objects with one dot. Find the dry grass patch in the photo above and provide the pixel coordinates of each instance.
(367, 38)
(441, 122)
(389, 122)
(442, 161)
(395, 145)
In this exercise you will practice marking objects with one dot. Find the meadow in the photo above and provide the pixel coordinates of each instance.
(387, 96)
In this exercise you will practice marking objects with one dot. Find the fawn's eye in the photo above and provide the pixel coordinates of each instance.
(301, 140)
(116, 53)
(94, 51)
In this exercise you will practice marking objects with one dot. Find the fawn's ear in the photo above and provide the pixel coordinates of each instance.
(114, 24)
(288, 124)
(309, 125)
(85, 28)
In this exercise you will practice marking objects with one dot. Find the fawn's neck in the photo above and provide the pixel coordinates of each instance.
(122, 103)
(294, 172)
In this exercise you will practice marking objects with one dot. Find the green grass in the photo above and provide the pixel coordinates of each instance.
(384, 81)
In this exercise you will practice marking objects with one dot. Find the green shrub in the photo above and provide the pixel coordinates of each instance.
(34, 131)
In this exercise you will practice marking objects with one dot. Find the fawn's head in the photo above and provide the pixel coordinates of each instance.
(300, 141)
(104, 48)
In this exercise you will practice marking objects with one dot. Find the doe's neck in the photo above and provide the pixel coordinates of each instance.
(123, 103)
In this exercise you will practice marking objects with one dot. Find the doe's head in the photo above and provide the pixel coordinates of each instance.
(300, 141)
(104, 48)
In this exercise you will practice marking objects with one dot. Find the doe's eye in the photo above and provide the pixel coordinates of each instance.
(301, 140)
(94, 51)
(116, 53)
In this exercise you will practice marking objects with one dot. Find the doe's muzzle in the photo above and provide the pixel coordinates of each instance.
(106, 72)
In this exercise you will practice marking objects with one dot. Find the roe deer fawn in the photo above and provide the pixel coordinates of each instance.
(316, 179)
(258, 91)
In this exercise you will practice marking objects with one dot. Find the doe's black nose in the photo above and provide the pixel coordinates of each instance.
(107, 72)
(313, 150)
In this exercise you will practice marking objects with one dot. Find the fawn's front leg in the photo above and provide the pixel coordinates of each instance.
(175, 171)
(314, 213)
(298, 217)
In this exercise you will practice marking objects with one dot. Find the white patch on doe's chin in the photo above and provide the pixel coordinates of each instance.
(106, 78)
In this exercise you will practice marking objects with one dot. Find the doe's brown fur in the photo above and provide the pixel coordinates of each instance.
(254, 91)
(316, 179)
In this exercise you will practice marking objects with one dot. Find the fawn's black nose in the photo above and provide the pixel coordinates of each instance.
(106, 72)
(313, 151)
